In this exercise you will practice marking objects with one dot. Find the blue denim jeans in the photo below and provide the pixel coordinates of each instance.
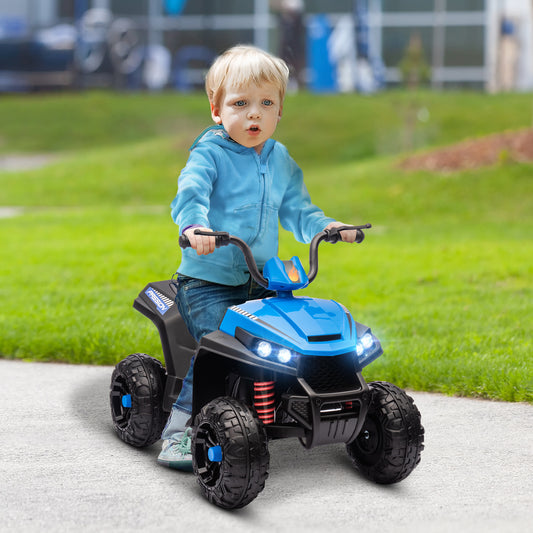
(202, 305)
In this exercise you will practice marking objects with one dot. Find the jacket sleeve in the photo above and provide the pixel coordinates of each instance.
(297, 213)
(195, 183)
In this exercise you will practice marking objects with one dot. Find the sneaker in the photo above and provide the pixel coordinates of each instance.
(177, 454)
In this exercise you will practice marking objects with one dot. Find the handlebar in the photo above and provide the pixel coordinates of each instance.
(223, 238)
(333, 236)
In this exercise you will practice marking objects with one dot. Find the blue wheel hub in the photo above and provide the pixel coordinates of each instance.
(214, 454)
(126, 401)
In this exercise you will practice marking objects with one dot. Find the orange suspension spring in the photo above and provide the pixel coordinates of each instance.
(264, 401)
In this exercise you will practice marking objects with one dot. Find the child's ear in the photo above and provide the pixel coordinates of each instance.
(280, 112)
(215, 114)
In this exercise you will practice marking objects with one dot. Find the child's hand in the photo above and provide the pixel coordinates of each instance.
(348, 235)
(203, 244)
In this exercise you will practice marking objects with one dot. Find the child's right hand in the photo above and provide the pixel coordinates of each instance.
(203, 244)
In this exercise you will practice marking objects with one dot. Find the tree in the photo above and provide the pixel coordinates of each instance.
(413, 66)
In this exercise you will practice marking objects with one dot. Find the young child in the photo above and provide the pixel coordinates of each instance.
(237, 179)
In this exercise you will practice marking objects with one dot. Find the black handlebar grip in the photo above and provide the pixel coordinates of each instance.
(184, 241)
(333, 235)
(222, 238)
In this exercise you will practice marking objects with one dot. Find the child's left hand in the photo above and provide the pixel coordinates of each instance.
(348, 235)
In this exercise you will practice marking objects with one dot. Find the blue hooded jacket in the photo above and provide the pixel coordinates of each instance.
(228, 187)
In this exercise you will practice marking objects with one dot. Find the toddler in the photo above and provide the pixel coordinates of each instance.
(237, 179)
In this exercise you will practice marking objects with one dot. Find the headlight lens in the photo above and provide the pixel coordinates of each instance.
(359, 349)
(270, 350)
(266, 349)
(263, 349)
(367, 340)
(367, 349)
(364, 344)
(284, 355)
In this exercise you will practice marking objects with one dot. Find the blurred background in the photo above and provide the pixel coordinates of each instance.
(331, 45)
(432, 144)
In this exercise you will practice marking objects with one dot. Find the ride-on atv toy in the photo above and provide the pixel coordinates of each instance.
(279, 367)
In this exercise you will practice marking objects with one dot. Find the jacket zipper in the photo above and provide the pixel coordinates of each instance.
(262, 173)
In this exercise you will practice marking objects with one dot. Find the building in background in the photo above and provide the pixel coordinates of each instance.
(462, 39)
(351, 44)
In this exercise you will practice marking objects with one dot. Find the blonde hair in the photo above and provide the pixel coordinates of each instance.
(242, 65)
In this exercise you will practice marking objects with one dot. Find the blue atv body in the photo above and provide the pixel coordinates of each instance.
(285, 366)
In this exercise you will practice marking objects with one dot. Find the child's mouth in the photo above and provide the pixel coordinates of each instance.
(254, 129)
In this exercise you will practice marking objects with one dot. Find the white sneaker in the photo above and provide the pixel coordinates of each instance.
(177, 454)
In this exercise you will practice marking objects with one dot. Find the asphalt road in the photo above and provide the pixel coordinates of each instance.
(63, 469)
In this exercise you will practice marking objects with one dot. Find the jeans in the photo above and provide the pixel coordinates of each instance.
(202, 305)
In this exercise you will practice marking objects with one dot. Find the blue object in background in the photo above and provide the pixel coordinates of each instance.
(362, 32)
(12, 27)
(507, 27)
(174, 7)
(361, 29)
(322, 71)
(183, 74)
(80, 7)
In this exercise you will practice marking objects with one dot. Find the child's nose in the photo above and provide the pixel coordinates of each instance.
(254, 112)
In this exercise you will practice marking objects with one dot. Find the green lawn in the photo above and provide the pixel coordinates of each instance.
(444, 278)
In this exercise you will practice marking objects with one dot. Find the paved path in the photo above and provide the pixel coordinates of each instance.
(63, 469)
(19, 162)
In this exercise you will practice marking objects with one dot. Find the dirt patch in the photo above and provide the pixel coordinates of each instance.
(474, 153)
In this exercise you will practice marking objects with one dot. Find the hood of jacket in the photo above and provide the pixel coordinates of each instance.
(218, 135)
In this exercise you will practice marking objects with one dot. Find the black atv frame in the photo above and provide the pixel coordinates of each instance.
(224, 367)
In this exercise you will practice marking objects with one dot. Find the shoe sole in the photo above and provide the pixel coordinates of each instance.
(184, 466)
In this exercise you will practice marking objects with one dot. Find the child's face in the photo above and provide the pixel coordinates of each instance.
(249, 114)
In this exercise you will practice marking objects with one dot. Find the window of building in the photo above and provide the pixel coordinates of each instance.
(65, 9)
(406, 6)
(123, 8)
(396, 40)
(464, 46)
(218, 7)
(465, 5)
(331, 6)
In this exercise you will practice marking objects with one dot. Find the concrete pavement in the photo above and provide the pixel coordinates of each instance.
(63, 469)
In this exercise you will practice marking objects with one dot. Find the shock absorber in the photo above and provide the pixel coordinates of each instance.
(264, 401)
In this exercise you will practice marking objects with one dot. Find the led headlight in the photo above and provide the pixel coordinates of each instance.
(263, 349)
(367, 340)
(266, 349)
(359, 349)
(284, 355)
(367, 349)
(366, 345)
(269, 350)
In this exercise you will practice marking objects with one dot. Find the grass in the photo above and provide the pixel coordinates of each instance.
(445, 277)
(62, 122)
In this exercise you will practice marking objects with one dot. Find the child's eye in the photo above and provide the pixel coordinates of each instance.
(268, 102)
(240, 103)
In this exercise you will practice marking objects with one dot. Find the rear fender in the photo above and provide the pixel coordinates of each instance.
(156, 302)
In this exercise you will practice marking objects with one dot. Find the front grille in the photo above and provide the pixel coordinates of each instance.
(329, 373)
(302, 409)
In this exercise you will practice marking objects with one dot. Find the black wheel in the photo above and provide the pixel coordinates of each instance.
(136, 398)
(390, 442)
(229, 453)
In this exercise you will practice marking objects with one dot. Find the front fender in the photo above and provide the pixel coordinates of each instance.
(220, 355)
